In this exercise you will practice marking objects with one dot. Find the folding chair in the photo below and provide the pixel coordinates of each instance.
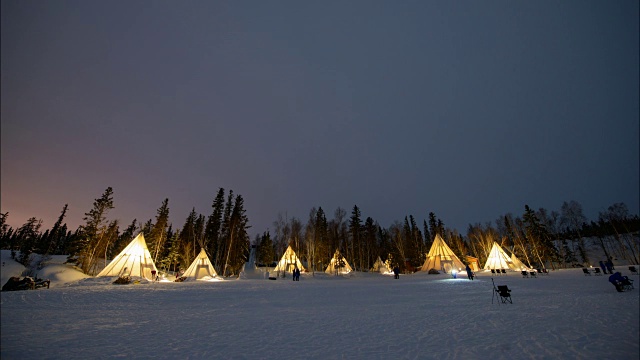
(524, 273)
(504, 293)
(597, 271)
(586, 272)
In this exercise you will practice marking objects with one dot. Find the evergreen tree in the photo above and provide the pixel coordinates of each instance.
(171, 260)
(214, 223)
(320, 237)
(5, 232)
(199, 233)
(266, 253)
(159, 231)
(188, 240)
(27, 237)
(355, 230)
(224, 233)
(433, 226)
(369, 231)
(238, 238)
(87, 248)
(427, 235)
(50, 242)
(417, 243)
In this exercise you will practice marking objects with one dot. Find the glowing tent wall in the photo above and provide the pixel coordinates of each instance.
(498, 259)
(288, 262)
(200, 269)
(441, 257)
(134, 260)
(332, 269)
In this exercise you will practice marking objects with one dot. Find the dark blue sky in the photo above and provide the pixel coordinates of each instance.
(469, 109)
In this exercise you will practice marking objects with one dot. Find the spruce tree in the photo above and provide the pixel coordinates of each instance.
(355, 229)
(266, 253)
(27, 237)
(188, 239)
(86, 250)
(159, 230)
(214, 223)
(238, 239)
(433, 226)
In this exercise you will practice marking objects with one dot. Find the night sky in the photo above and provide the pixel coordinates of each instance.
(468, 109)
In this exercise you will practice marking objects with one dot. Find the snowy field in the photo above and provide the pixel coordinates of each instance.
(363, 316)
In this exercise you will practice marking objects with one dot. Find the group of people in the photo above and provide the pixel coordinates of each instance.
(607, 265)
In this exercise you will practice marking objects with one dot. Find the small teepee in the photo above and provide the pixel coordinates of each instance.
(335, 268)
(441, 257)
(200, 269)
(380, 267)
(134, 260)
(498, 259)
(288, 262)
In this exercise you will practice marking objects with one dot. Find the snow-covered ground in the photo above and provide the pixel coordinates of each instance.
(363, 316)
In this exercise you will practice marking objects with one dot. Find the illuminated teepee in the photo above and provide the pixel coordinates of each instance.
(498, 259)
(441, 257)
(288, 262)
(134, 260)
(200, 269)
(381, 267)
(517, 263)
(334, 268)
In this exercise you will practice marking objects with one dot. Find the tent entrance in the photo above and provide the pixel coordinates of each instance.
(202, 271)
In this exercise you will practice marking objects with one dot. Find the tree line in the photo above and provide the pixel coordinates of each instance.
(223, 234)
(537, 237)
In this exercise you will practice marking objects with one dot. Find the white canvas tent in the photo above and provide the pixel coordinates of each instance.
(498, 259)
(441, 257)
(381, 267)
(134, 260)
(200, 269)
(517, 263)
(333, 268)
(288, 262)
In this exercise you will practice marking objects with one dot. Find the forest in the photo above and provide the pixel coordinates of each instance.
(539, 238)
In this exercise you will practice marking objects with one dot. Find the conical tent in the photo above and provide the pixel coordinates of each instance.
(288, 262)
(333, 267)
(200, 268)
(517, 263)
(498, 259)
(441, 257)
(134, 260)
(380, 266)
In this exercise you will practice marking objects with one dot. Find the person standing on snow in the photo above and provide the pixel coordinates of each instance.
(609, 265)
(604, 269)
(469, 272)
